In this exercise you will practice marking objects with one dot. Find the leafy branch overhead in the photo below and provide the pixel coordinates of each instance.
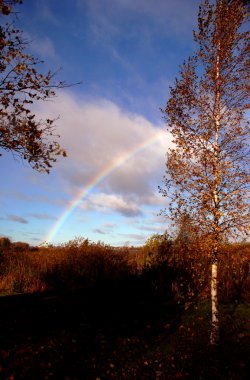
(21, 85)
(6, 6)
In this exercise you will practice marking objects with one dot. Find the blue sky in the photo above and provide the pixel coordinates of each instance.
(126, 53)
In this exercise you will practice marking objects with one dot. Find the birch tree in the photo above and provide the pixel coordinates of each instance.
(207, 172)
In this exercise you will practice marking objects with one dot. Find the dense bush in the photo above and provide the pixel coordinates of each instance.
(176, 269)
(75, 265)
(181, 267)
(5, 243)
(83, 264)
(19, 273)
(234, 270)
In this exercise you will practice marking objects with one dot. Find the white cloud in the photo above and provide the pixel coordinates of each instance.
(112, 202)
(122, 152)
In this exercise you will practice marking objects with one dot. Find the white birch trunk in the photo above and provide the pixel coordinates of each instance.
(214, 338)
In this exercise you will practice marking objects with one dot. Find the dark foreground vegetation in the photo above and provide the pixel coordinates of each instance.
(90, 311)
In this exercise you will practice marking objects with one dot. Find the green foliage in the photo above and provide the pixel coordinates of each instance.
(157, 248)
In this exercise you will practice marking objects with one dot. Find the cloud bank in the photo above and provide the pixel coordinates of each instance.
(96, 133)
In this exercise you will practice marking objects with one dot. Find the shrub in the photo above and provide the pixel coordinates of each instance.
(234, 270)
(84, 264)
(19, 274)
(5, 243)
(163, 268)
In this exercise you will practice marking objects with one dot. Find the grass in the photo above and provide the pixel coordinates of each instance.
(95, 336)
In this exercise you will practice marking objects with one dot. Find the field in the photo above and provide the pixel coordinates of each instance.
(89, 311)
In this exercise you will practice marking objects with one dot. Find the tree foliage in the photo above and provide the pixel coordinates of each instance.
(6, 6)
(158, 246)
(207, 175)
(201, 168)
(21, 85)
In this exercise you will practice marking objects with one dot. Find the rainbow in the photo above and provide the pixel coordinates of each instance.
(106, 171)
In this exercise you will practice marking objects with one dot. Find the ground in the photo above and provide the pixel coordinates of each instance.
(94, 335)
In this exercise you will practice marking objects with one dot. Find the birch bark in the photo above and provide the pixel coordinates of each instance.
(214, 338)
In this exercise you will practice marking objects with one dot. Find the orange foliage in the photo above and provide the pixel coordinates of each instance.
(165, 268)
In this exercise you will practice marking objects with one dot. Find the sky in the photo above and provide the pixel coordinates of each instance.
(126, 54)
